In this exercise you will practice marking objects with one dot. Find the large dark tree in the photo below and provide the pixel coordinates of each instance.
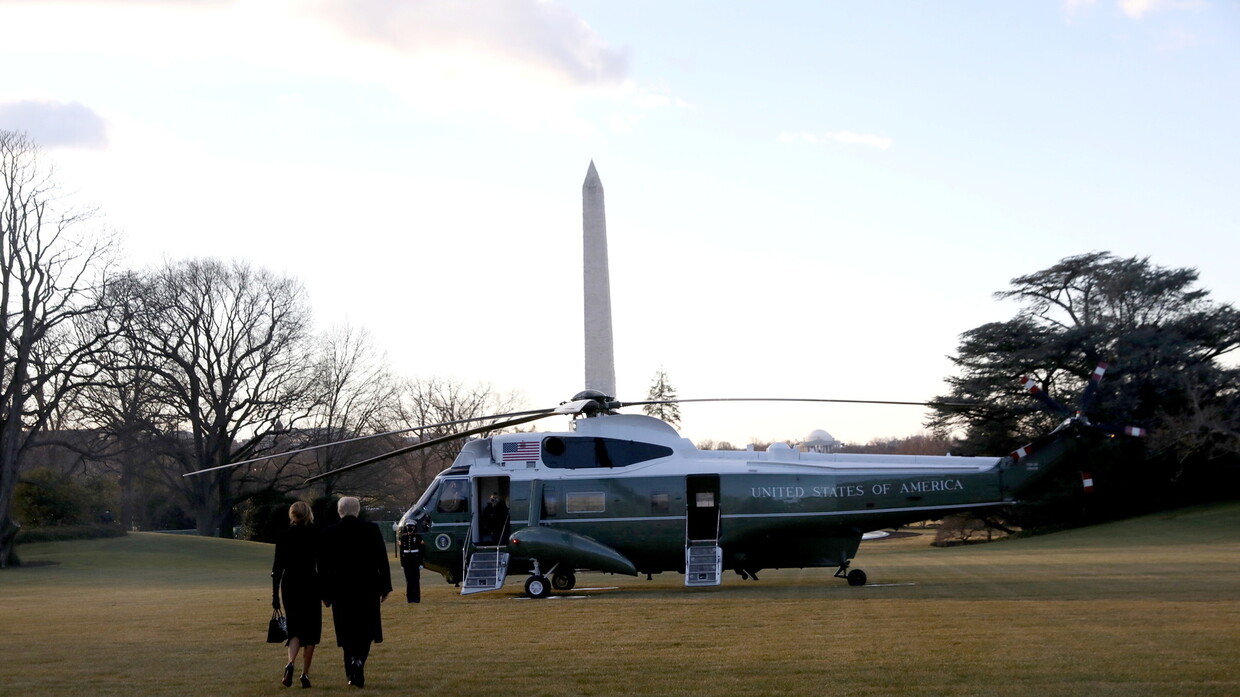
(1162, 337)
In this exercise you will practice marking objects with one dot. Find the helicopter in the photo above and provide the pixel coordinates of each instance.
(626, 494)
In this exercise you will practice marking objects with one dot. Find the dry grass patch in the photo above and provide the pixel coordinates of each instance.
(1147, 607)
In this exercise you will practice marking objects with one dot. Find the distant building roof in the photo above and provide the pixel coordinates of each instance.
(820, 436)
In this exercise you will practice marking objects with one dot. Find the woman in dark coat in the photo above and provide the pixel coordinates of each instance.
(295, 575)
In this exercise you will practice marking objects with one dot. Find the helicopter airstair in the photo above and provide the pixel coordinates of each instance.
(488, 566)
(703, 556)
(703, 563)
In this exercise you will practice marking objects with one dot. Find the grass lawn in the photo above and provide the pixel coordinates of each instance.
(1149, 606)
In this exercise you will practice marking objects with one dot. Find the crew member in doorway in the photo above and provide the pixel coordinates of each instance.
(494, 519)
(411, 562)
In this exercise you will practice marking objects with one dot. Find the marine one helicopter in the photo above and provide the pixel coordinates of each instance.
(625, 494)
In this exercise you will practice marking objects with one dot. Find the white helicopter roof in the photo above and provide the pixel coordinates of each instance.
(687, 459)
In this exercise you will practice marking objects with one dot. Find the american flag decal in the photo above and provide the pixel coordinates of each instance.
(520, 451)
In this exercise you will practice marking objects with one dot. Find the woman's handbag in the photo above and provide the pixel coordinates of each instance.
(277, 628)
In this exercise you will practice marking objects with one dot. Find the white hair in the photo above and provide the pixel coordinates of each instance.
(348, 505)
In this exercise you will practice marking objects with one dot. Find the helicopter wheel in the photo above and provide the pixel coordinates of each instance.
(537, 587)
(856, 577)
(563, 580)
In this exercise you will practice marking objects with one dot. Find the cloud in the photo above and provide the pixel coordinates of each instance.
(55, 124)
(532, 32)
(1072, 7)
(845, 137)
(1181, 39)
(1135, 9)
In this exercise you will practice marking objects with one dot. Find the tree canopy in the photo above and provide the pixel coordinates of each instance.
(1163, 338)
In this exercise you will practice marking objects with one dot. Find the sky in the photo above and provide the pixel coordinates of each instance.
(804, 199)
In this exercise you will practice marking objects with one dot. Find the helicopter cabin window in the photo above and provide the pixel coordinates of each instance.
(584, 452)
(550, 503)
(585, 502)
(704, 499)
(454, 497)
(660, 502)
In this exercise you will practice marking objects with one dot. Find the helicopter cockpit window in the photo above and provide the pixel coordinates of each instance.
(584, 452)
(453, 497)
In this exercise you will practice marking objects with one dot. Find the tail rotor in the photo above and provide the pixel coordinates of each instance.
(1079, 418)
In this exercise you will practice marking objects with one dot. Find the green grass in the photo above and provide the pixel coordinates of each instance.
(1143, 607)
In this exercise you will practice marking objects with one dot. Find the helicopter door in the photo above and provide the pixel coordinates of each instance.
(488, 562)
(703, 558)
(491, 514)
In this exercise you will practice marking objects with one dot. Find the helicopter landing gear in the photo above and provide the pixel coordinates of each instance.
(563, 580)
(536, 586)
(855, 577)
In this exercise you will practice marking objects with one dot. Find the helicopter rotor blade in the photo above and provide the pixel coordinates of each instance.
(576, 407)
(1134, 431)
(1022, 452)
(1036, 390)
(431, 443)
(472, 419)
(617, 405)
(1091, 388)
(1080, 419)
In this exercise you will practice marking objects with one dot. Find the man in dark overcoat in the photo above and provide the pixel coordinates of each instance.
(356, 579)
(494, 518)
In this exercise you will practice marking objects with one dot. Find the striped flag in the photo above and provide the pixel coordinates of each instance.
(520, 451)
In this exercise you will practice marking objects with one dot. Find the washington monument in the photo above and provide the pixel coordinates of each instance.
(600, 358)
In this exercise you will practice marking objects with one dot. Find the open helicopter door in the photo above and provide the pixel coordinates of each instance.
(488, 561)
(703, 558)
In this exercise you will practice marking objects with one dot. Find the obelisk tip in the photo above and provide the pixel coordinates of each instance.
(592, 176)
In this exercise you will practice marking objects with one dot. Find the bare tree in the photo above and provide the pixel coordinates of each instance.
(229, 352)
(435, 401)
(358, 395)
(49, 286)
(122, 405)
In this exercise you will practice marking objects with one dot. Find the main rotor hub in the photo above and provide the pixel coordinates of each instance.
(602, 403)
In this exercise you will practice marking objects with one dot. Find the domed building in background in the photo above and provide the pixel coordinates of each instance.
(819, 441)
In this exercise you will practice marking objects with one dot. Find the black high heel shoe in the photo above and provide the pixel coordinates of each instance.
(287, 680)
(305, 680)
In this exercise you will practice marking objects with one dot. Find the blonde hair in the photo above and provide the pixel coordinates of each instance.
(300, 514)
